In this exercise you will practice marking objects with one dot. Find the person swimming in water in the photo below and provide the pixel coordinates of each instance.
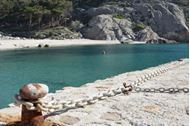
(104, 52)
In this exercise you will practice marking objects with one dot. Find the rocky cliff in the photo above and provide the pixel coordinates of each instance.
(142, 20)
(153, 21)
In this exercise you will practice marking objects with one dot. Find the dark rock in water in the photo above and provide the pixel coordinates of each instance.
(33, 91)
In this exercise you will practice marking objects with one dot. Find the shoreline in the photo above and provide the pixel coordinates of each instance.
(156, 101)
(32, 43)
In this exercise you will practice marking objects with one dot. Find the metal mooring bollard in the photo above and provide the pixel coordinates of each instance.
(31, 93)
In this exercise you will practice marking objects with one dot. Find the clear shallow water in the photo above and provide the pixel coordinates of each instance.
(74, 66)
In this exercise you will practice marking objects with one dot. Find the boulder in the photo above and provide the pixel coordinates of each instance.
(165, 18)
(149, 36)
(146, 35)
(106, 27)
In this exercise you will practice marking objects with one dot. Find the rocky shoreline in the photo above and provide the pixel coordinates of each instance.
(134, 109)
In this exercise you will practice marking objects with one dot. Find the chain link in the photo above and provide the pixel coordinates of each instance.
(146, 77)
(161, 90)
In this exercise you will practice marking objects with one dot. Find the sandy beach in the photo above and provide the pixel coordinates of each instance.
(126, 110)
(32, 43)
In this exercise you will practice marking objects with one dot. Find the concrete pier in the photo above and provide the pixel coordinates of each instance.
(123, 110)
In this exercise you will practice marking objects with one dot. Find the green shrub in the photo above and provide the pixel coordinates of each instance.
(119, 16)
(138, 27)
(34, 14)
(56, 33)
(46, 45)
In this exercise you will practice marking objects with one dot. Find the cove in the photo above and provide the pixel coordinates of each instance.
(77, 65)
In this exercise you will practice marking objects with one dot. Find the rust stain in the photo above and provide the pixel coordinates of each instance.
(151, 107)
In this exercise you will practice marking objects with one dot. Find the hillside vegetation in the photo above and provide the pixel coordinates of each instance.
(141, 20)
(35, 13)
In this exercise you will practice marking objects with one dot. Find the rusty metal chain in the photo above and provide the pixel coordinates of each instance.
(134, 87)
(161, 90)
(129, 88)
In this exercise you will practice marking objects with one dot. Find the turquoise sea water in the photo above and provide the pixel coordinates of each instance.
(74, 66)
